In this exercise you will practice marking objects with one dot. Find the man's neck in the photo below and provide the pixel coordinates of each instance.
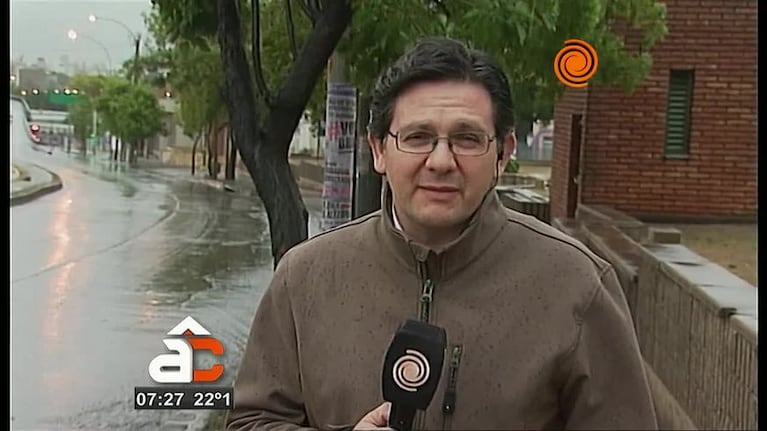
(432, 238)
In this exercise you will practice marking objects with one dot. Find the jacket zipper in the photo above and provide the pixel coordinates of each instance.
(424, 314)
(427, 295)
(451, 392)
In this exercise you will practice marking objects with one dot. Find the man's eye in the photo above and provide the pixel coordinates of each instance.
(469, 137)
(418, 137)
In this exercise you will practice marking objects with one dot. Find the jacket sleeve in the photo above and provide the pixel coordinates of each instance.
(267, 389)
(606, 387)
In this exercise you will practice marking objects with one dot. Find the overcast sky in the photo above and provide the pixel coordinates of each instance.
(39, 29)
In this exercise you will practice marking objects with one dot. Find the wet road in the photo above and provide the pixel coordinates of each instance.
(104, 268)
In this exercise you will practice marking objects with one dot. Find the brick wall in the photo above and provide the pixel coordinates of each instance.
(572, 102)
(623, 163)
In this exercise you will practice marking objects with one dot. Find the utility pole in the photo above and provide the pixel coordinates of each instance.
(367, 183)
(136, 53)
(340, 137)
(94, 131)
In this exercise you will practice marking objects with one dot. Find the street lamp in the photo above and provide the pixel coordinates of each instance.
(73, 35)
(134, 36)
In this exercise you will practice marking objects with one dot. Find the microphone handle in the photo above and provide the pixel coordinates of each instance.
(401, 417)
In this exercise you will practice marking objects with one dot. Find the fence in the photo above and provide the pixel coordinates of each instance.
(697, 327)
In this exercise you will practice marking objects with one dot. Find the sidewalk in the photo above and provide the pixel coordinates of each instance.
(243, 185)
(32, 182)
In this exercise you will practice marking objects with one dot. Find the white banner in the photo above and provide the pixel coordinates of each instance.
(340, 134)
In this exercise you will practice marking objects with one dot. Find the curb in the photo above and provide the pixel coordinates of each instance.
(19, 173)
(34, 192)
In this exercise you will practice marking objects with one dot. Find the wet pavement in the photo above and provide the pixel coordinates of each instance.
(103, 268)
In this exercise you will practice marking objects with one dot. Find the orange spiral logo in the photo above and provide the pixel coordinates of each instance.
(576, 63)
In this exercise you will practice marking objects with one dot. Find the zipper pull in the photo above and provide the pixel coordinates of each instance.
(455, 358)
(448, 403)
(426, 297)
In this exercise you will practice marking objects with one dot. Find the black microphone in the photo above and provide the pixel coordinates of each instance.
(411, 371)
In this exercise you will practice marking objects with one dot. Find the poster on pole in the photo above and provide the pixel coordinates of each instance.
(340, 138)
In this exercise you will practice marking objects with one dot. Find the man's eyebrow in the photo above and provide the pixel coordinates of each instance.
(418, 125)
(461, 125)
(467, 125)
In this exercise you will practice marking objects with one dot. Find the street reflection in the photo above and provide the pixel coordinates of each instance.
(57, 292)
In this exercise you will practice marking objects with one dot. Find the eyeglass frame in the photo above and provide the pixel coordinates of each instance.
(435, 142)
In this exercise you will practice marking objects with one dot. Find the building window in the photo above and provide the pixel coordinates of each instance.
(678, 112)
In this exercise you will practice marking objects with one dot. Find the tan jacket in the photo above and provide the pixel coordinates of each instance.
(539, 333)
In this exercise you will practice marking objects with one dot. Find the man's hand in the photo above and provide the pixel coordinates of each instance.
(377, 419)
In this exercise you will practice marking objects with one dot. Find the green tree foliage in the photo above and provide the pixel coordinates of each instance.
(192, 69)
(129, 111)
(196, 79)
(524, 35)
(81, 112)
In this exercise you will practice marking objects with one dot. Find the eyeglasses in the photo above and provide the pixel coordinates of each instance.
(460, 143)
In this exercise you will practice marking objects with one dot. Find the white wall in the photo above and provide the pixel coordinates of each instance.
(304, 142)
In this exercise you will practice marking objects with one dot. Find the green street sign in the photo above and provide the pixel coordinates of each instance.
(63, 98)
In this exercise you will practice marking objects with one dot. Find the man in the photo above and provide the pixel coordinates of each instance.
(539, 333)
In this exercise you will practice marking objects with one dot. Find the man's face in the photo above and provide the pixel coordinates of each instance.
(440, 190)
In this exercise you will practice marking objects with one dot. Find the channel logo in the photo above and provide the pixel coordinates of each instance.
(576, 63)
(411, 370)
(186, 338)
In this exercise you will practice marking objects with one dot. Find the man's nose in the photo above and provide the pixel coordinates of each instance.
(441, 158)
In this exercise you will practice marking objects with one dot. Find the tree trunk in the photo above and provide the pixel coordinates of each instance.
(265, 151)
(231, 157)
(194, 151)
(213, 153)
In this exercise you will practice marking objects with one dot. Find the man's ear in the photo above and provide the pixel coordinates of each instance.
(377, 148)
(509, 144)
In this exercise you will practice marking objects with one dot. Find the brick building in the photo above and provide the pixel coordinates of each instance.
(683, 145)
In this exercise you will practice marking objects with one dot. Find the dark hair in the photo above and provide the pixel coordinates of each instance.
(441, 59)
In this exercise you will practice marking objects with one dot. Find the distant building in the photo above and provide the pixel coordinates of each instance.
(684, 144)
(307, 140)
(32, 78)
(539, 145)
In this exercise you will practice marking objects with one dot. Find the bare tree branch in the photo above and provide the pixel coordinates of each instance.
(313, 57)
(258, 70)
(308, 11)
(291, 29)
(316, 6)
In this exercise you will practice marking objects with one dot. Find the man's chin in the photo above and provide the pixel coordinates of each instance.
(439, 218)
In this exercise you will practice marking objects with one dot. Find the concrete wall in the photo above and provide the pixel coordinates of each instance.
(696, 324)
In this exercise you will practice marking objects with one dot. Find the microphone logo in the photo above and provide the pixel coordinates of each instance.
(411, 370)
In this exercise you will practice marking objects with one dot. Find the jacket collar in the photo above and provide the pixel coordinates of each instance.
(483, 228)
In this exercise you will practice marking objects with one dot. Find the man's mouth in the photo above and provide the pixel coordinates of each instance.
(440, 189)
